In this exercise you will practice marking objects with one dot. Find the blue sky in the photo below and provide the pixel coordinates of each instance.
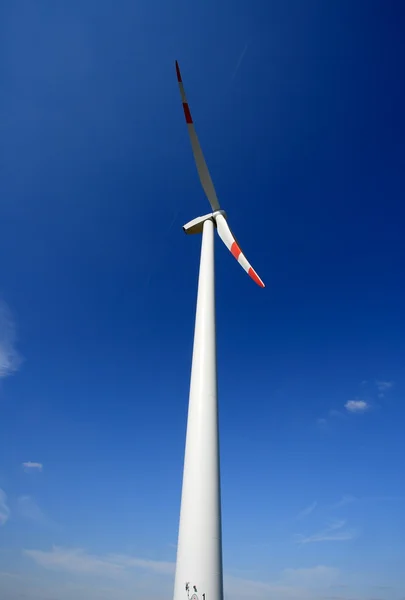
(299, 110)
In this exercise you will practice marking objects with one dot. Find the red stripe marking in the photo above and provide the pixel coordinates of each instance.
(187, 113)
(236, 251)
(255, 277)
(178, 72)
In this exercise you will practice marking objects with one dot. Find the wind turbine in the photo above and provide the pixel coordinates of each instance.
(199, 548)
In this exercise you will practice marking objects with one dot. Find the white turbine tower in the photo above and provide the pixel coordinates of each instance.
(199, 549)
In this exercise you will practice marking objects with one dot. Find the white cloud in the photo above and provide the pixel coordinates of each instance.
(77, 560)
(10, 360)
(4, 509)
(357, 406)
(32, 466)
(307, 510)
(335, 532)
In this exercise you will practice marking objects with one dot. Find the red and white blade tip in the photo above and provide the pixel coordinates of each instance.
(227, 237)
(237, 253)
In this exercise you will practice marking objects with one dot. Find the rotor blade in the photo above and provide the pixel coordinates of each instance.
(227, 237)
(202, 168)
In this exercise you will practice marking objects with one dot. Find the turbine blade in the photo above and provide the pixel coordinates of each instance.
(202, 168)
(227, 237)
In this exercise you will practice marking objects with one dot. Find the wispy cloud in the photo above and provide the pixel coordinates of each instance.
(10, 360)
(383, 387)
(357, 406)
(335, 414)
(32, 466)
(307, 510)
(383, 587)
(72, 560)
(153, 580)
(335, 532)
(293, 584)
(4, 509)
(320, 574)
(249, 589)
(30, 510)
(156, 566)
(241, 57)
(332, 414)
(344, 501)
(348, 499)
(77, 560)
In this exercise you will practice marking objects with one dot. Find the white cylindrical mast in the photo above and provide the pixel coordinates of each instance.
(199, 549)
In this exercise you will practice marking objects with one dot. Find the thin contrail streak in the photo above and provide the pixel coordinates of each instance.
(241, 57)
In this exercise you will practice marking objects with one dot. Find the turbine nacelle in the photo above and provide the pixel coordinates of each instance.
(196, 225)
